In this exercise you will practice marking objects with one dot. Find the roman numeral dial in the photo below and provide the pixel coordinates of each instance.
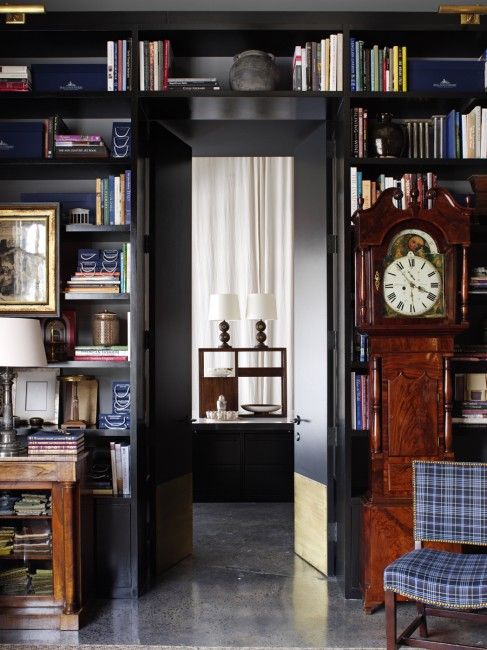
(412, 286)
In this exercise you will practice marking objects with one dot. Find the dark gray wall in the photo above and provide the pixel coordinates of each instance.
(241, 5)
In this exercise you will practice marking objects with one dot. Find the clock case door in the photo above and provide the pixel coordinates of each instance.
(448, 224)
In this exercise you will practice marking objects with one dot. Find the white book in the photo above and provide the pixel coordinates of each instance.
(353, 190)
(129, 267)
(128, 335)
(339, 63)
(333, 62)
(116, 201)
(324, 63)
(477, 111)
(118, 460)
(157, 85)
(113, 462)
(464, 137)
(125, 451)
(327, 64)
(110, 63)
(141, 66)
(304, 65)
(483, 136)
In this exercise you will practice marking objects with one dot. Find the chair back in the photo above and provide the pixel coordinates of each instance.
(450, 502)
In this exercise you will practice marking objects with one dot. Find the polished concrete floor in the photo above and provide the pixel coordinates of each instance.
(243, 587)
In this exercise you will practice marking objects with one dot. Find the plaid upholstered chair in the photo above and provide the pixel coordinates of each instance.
(450, 505)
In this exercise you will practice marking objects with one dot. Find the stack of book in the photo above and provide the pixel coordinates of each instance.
(32, 542)
(370, 189)
(360, 401)
(318, 66)
(7, 502)
(101, 271)
(15, 78)
(193, 83)
(155, 64)
(14, 582)
(79, 146)
(6, 540)
(101, 353)
(120, 461)
(113, 205)
(378, 69)
(33, 504)
(41, 582)
(119, 68)
(53, 126)
(472, 412)
(55, 443)
(478, 280)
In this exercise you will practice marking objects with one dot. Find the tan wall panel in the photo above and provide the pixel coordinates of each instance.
(310, 522)
(174, 521)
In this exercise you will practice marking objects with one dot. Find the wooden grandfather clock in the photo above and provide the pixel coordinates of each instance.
(411, 300)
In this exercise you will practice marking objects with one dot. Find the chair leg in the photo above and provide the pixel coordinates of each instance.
(423, 628)
(391, 631)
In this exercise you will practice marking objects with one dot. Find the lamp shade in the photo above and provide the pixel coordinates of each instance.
(21, 344)
(261, 306)
(224, 306)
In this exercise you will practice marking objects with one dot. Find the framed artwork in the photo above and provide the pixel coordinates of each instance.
(29, 261)
(37, 394)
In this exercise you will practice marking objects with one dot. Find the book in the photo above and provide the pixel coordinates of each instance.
(118, 461)
(125, 454)
(113, 462)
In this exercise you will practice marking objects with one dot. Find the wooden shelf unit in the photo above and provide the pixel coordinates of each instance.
(211, 387)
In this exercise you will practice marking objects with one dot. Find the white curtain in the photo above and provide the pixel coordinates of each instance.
(243, 243)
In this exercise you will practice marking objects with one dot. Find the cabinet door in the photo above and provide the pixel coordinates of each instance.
(412, 415)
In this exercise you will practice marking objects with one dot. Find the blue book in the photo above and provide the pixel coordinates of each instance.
(458, 137)
(111, 200)
(128, 196)
(358, 402)
(353, 81)
(359, 184)
(451, 139)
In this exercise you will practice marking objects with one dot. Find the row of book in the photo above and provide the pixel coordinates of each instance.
(459, 135)
(155, 64)
(370, 189)
(113, 205)
(318, 66)
(56, 443)
(378, 69)
(120, 465)
(15, 78)
(119, 67)
(32, 541)
(360, 401)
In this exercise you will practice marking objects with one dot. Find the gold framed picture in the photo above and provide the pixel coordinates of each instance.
(29, 260)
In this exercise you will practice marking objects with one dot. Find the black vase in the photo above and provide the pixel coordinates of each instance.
(387, 139)
(254, 70)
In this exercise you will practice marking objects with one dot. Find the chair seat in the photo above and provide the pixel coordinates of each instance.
(440, 578)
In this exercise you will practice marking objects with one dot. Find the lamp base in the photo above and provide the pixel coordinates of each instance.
(224, 336)
(9, 445)
(260, 336)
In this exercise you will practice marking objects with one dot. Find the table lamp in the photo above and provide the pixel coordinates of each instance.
(21, 346)
(224, 307)
(260, 306)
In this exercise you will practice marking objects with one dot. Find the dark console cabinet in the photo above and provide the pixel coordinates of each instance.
(236, 463)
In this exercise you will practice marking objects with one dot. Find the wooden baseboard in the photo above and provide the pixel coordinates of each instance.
(310, 522)
(174, 521)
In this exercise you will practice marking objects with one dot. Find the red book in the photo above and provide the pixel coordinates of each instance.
(167, 62)
(14, 86)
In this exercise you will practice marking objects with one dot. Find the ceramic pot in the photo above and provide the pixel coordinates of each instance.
(254, 70)
(387, 139)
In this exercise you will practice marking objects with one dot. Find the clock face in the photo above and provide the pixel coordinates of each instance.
(413, 277)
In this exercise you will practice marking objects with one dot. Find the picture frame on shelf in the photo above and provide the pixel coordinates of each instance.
(37, 394)
(29, 260)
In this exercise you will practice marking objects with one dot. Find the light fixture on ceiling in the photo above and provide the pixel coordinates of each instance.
(15, 14)
(469, 14)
